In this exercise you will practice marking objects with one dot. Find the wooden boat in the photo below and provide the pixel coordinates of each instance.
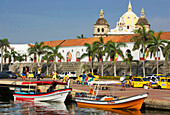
(58, 95)
(109, 102)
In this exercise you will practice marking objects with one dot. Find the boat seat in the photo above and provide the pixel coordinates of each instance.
(106, 98)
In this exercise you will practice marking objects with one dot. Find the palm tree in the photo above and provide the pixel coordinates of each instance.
(3, 45)
(14, 54)
(99, 48)
(140, 39)
(90, 53)
(167, 51)
(55, 53)
(154, 44)
(82, 36)
(112, 50)
(37, 49)
(48, 57)
(129, 60)
(20, 58)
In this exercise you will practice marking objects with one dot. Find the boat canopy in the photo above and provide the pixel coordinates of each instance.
(103, 82)
(45, 83)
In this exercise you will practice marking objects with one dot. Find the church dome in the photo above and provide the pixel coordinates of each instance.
(142, 20)
(101, 21)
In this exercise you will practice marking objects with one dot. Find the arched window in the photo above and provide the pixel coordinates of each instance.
(112, 58)
(35, 58)
(78, 56)
(98, 29)
(141, 54)
(127, 27)
(102, 29)
(127, 52)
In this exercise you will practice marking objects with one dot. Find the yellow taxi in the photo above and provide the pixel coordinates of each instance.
(31, 75)
(168, 83)
(139, 82)
(89, 77)
(160, 83)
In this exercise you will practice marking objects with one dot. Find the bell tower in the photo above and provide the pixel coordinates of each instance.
(101, 27)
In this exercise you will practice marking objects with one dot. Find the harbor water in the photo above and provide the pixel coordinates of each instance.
(68, 108)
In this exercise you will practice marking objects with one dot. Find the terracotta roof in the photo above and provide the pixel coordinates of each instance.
(53, 43)
(101, 21)
(143, 20)
(81, 42)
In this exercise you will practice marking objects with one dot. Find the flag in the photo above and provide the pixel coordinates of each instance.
(90, 58)
(69, 56)
(116, 56)
(145, 55)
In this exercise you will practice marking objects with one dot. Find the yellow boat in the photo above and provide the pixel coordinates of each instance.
(109, 102)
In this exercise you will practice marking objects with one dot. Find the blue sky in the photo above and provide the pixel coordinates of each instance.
(28, 21)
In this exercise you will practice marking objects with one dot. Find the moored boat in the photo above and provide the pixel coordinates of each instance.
(110, 102)
(52, 94)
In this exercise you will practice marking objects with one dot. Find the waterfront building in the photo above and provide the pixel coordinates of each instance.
(72, 49)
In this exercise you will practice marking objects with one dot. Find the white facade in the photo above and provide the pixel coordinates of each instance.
(22, 49)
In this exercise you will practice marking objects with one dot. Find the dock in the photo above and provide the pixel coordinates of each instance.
(157, 99)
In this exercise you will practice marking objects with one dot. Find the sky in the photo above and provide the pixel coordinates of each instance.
(30, 21)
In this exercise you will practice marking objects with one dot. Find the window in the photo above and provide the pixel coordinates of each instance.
(63, 51)
(72, 50)
(128, 52)
(78, 56)
(102, 29)
(82, 50)
(127, 27)
(128, 17)
(98, 29)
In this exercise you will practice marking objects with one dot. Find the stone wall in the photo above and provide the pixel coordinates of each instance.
(164, 67)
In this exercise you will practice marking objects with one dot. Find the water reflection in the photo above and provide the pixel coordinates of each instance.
(68, 108)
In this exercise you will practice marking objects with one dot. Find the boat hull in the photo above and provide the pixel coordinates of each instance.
(133, 102)
(58, 96)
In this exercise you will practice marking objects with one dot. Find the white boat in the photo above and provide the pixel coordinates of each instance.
(58, 95)
(109, 102)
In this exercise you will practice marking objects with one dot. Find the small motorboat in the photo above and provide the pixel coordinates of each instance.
(108, 102)
(52, 94)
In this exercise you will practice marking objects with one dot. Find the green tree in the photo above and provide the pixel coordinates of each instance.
(99, 50)
(48, 57)
(82, 36)
(3, 45)
(129, 60)
(37, 49)
(90, 53)
(114, 50)
(141, 37)
(55, 53)
(14, 54)
(20, 58)
(154, 44)
(167, 51)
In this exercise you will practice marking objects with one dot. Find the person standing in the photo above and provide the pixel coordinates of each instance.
(130, 81)
(84, 78)
(24, 73)
(38, 73)
(66, 79)
(123, 81)
(54, 75)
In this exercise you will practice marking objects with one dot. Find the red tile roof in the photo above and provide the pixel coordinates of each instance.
(82, 41)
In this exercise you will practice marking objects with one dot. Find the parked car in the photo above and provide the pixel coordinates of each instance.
(70, 74)
(35, 74)
(160, 83)
(31, 75)
(168, 82)
(140, 81)
(8, 74)
(90, 78)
